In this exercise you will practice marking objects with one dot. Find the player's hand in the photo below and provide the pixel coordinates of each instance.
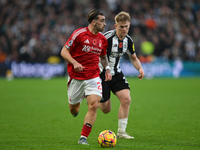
(141, 71)
(78, 66)
(108, 75)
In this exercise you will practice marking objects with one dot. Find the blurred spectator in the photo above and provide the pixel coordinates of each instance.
(35, 30)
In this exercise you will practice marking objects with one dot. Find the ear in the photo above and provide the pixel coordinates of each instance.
(93, 22)
(115, 25)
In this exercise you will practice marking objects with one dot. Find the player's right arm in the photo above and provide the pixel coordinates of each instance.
(67, 56)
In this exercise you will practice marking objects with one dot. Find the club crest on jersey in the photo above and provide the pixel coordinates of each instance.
(100, 43)
(125, 45)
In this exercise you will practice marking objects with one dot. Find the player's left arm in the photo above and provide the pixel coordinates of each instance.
(104, 62)
(136, 63)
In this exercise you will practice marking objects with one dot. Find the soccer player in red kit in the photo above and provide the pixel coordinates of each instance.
(82, 52)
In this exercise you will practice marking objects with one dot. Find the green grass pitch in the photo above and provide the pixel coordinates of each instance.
(164, 115)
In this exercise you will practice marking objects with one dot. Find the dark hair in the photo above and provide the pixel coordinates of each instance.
(93, 14)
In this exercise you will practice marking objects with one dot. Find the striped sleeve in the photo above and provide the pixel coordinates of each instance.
(73, 38)
(131, 47)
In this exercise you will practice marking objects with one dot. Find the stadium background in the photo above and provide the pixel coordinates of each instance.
(166, 35)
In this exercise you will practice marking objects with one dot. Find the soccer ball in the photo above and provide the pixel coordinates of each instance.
(107, 138)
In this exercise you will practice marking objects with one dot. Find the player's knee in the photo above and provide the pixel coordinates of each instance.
(75, 114)
(126, 101)
(106, 110)
(94, 106)
(73, 111)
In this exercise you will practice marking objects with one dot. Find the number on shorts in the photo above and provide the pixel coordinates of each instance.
(99, 86)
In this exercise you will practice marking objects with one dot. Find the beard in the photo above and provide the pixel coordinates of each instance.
(98, 28)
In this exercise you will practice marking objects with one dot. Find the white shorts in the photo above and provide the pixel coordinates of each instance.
(79, 89)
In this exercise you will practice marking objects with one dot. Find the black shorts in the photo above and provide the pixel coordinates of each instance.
(117, 83)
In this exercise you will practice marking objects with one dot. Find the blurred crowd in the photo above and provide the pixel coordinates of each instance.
(36, 30)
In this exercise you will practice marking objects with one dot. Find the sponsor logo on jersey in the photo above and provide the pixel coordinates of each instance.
(91, 49)
(116, 54)
(86, 48)
(133, 47)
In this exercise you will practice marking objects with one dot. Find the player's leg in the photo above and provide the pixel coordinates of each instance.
(105, 107)
(75, 95)
(122, 91)
(74, 109)
(125, 100)
(93, 92)
(93, 103)
(90, 118)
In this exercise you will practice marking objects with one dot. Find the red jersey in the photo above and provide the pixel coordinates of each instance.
(86, 48)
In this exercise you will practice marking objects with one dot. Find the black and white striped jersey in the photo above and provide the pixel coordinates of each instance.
(117, 48)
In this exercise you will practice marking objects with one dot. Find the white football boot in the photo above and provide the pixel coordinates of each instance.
(124, 135)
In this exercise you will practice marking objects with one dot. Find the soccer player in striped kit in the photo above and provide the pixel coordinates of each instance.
(119, 43)
(82, 52)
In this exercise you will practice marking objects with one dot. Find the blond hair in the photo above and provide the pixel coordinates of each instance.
(122, 16)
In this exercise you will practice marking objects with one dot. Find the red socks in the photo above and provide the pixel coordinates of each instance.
(86, 130)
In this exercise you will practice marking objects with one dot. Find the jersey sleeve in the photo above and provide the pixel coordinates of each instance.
(131, 47)
(105, 46)
(71, 42)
